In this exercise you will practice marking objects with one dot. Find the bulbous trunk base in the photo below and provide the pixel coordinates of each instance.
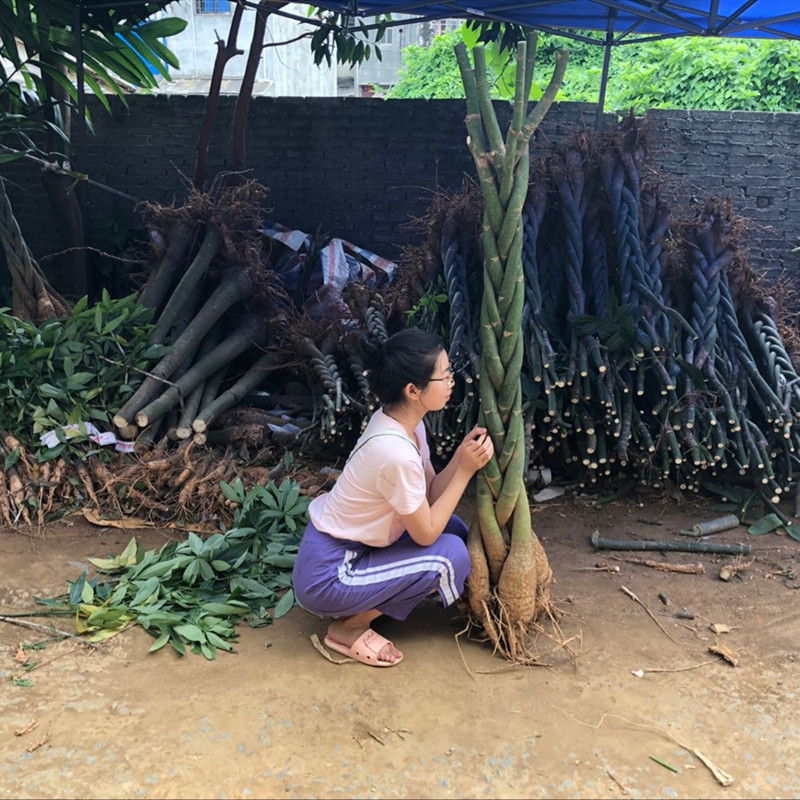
(515, 613)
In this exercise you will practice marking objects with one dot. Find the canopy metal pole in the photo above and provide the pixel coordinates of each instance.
(601, 102)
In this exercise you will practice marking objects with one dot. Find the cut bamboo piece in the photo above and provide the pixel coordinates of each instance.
(684, 547)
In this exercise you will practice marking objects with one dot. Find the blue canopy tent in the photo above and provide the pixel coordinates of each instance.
(622, 21)
(629, 20)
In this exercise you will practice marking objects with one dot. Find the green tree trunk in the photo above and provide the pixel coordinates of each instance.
(509, 587)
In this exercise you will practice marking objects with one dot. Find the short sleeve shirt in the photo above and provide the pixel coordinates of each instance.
(383, 479)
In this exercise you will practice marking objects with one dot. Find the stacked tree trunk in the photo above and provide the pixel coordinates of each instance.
(218, 312)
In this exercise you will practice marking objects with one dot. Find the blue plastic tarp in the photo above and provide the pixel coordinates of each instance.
(632, 20)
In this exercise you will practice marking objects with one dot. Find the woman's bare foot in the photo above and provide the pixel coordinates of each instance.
(348, 629)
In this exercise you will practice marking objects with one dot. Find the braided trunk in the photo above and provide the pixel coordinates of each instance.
(509, 587)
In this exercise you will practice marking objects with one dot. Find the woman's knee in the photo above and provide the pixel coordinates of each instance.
(454, 548)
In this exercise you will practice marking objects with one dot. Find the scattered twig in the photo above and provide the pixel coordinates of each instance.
(47, 629)
(690, 569)
(664, 764)
(729, 571)
(650, 613)
(33, 724)
(616, 780)
(681, 669)
(46, 738)
(731, 656)
(722, 777)
(604, 567)
(38, 664)
(377, 738)
(398, 731)
(320, 649)
(461, 652)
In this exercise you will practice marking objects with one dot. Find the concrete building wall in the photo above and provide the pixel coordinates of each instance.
(290, 67)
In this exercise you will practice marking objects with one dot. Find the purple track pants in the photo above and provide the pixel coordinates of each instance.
(339, 578)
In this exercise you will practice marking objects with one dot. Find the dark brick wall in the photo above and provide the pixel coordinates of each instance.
(362, 169)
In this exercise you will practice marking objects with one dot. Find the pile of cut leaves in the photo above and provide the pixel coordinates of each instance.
(191, 594)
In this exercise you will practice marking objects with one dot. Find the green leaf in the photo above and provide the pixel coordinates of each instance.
(190, 632)
(225, 609)
(87, 593)
(177, 644)
(145, 590)
(11, 459)
(793, 531)
(281, 560)
(767, 523)
(218, 641)
(160, 642)
(285, 605)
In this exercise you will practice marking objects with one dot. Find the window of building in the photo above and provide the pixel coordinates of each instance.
(212, 6)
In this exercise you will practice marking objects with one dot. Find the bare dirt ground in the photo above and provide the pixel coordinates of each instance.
(278, 720)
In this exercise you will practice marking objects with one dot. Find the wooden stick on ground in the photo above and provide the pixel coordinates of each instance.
(689, 569)
(634, 597)
(46, 629)
(722, 777)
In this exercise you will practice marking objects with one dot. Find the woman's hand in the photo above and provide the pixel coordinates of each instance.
(475, 451)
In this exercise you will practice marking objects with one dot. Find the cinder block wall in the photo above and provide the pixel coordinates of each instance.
(362, 169)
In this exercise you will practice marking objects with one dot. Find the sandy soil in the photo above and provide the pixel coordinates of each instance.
(278, 720)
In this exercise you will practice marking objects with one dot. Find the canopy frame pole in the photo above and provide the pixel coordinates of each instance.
(601, 101)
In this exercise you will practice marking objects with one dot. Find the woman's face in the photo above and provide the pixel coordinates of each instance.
(440, 386)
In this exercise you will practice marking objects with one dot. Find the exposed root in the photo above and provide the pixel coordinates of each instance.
(518, 643)
(179, 485)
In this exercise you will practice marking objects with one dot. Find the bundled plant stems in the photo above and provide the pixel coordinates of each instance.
(651, 347)
(214, 299)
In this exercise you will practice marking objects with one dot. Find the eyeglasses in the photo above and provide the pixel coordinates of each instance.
(449, 378)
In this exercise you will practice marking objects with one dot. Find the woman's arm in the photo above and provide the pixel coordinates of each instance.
(425, 525)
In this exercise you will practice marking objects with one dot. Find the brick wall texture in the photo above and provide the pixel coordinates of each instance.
(363, 169)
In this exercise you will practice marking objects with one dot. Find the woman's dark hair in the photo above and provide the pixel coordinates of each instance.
(408, 356)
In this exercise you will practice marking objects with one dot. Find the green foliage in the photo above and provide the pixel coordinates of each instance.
(269, 508)
(430, 72)
(683, 73)
(352, 45)
(38, 42)
(191, 594)
(79, 368)
(616, 331)
(691, 72)
(427, 313)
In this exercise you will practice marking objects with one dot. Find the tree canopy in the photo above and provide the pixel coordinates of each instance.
(121, 49)
(700, 73)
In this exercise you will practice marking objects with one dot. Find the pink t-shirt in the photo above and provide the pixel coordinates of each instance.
(383, 478)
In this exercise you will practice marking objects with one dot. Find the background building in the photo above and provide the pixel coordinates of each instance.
(287, 70)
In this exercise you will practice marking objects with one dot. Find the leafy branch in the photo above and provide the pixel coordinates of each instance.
(191, 594)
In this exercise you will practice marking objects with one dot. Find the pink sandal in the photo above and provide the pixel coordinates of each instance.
(365, 649)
